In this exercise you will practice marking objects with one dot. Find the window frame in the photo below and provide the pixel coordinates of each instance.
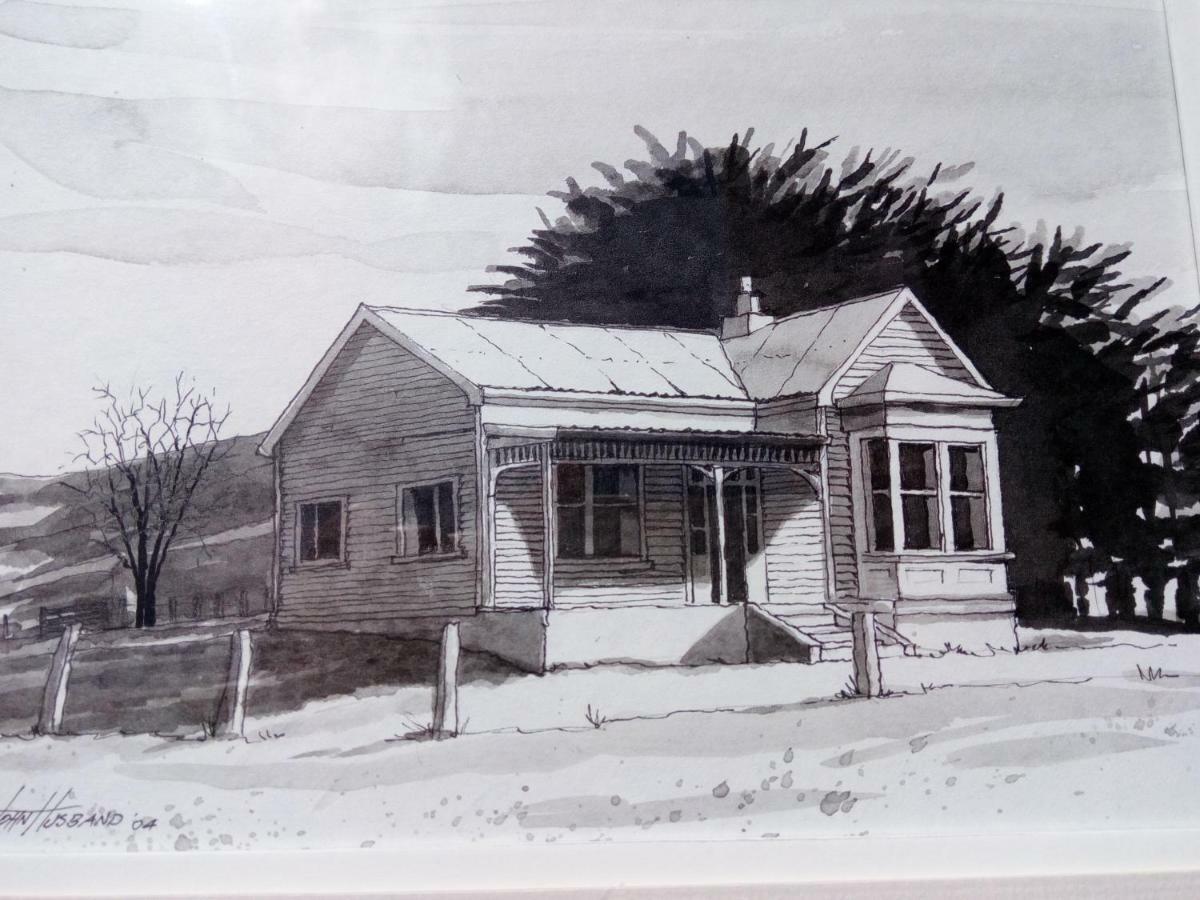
(870, 492)
(983, 494)
(343, 526)
(402, 554)
(983, 441)
(588, 506)
(936, 493)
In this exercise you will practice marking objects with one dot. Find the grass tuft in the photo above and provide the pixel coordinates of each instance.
(1152, 673)
(594, 716)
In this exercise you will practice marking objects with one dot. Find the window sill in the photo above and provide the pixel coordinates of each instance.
(615, 565)
(319, 564)
(429, 558)
(939, 556)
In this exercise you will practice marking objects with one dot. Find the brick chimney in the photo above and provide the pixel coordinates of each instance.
(747, 312)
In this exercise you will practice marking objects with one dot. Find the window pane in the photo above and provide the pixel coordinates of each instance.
(606, 531)
(881, 517)
(614, 482)
(329, 530)
(615, 531)
(446, 517)
(570, 531)
(966, 468)
(631, 534)
(751, 519)
(970, 523)
(422, 507)
(918, 469)
(921, 531)
(696, 505)
(308, 531)
(877, 463)
(570, 484)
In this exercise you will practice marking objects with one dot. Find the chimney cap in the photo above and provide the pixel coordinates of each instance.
(747, 284)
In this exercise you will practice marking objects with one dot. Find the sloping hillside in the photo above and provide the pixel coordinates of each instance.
(51, 554)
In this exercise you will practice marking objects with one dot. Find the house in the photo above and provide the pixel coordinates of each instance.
(574, 494)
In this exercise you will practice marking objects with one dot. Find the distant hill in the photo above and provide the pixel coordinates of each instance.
(51, 556)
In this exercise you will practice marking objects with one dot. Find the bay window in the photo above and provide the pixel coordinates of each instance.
(598, 511)
(925, 495)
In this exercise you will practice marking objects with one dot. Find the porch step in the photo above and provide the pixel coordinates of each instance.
(833, 635)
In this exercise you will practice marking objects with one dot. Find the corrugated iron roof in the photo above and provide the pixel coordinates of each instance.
(799, 353)
(796, 355)
(911, 383)
(504, 353)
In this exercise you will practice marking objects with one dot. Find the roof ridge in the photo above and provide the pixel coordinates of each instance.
(893, 292)
(539, 322)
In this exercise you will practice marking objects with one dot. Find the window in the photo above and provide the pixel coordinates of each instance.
(879, 480)
(598, 511)
(968, 498)
(428, 520)
(321, 531)
(919, 497)
(909, 485)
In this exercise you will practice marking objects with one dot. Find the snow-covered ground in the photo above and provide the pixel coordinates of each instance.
(1069, 735)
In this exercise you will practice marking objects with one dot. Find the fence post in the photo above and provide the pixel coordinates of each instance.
(231, 713)
(445, 696)
(54, 698)
(868, 679)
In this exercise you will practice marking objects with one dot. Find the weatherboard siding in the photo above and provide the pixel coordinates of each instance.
(841, 508)
(518, 538)
(907, 338)
(793, 539)
(379, 419)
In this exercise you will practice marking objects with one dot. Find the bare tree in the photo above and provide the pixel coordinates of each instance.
(145, 457)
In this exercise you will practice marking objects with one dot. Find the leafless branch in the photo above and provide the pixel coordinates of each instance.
(144, 461)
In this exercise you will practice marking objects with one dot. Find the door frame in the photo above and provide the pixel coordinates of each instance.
(755, 565)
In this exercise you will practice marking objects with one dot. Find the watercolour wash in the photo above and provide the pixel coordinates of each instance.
(555, 422)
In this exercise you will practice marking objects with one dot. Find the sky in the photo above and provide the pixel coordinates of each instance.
(213, 187)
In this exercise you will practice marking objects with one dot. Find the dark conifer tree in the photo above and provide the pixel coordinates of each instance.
(1047, 318)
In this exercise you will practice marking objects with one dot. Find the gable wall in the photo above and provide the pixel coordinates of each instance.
(378, 419)
(907, 338)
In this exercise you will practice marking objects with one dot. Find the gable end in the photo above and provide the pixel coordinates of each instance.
(906, 334)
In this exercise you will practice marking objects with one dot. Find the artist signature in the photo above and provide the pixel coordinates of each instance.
(62, 811)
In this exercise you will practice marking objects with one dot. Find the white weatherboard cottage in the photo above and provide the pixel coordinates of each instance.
(577, 494)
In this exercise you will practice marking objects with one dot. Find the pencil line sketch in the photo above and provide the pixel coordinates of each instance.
(766, 488)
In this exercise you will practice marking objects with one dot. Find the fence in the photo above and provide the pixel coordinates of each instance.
(133, 663)
(219, 605)
(98, 614)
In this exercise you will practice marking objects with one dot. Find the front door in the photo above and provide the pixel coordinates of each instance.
(745, 566)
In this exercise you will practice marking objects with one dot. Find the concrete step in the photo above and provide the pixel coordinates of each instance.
(846, 653)
(820, 626)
